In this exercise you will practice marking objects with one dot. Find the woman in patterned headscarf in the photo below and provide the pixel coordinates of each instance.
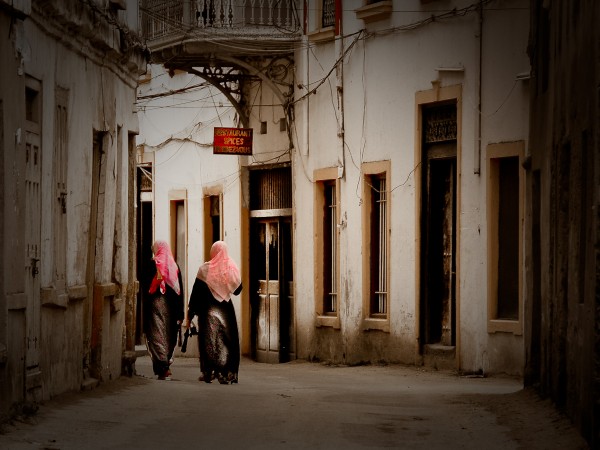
(164, 312)
(218, 338)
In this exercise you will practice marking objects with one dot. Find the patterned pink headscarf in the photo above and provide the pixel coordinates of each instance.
(166, 266)
(221, 274)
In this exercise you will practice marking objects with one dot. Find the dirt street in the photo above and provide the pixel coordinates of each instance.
(296, 405)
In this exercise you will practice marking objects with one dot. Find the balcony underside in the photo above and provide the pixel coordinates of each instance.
(180, 52)
(181, 33)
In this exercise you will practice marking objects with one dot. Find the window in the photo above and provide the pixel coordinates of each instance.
(32, 101)
(378, 241)
(328, 14)
(330, 269)
(178, 216)
(505, 219)
(212, 221)
(326, 218)
(322, 25)
(376, 233)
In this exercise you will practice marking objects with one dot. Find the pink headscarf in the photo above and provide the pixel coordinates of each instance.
(166, 266)
(221, 274)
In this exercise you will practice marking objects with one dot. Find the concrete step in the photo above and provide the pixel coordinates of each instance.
(439, 357)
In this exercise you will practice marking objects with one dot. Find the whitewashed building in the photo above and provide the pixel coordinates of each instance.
(67, 163)
(381, 214)
(182, 187)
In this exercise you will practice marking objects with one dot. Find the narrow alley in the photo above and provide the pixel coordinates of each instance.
(296, 405)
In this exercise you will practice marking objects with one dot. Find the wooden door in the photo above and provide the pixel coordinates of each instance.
(267, 279)
(271, 304)
(33, 379)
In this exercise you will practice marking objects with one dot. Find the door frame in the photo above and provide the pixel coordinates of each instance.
(423, 99)
(446, 158)
(285, 321)
(33, 241)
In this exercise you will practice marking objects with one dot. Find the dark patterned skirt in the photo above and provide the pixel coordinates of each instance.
(160, 335)
(218, 341)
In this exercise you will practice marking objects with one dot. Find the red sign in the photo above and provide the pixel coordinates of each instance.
(232, 141)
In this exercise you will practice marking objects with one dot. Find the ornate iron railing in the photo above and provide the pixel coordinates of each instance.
(161, 18)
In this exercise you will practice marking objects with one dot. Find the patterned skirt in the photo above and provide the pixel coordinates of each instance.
(218, 341)
(160, 335)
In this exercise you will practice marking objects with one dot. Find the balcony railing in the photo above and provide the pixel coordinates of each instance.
(164, 18)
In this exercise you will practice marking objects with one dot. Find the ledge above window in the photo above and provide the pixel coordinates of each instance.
(322, 35)
(374, 11)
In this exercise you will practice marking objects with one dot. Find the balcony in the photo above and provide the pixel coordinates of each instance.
(184, 33)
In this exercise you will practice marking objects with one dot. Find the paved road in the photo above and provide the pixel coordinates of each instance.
(291, 406)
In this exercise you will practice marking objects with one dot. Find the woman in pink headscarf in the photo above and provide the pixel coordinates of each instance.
(218, 339)
(164, 312)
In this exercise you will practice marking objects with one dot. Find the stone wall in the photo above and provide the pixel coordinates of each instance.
(563, 305)
(68, 86)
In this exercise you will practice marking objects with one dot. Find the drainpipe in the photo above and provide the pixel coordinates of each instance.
(306, 113)
(477, 155)
(339, 44)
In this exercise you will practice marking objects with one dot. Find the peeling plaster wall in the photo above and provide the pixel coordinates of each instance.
(373, 95)
(100, 84)
(176, 134)
(381, 76)
(11, 85)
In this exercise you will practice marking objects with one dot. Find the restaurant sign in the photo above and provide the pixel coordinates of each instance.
(232, 141)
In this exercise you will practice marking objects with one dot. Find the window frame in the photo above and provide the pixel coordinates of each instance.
(178, 197)
(370, 169)
(210, 196)
(494, 153)
(322, 178)
(318, 32)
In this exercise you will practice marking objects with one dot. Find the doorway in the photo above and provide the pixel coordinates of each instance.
(272, 278)
(271, 265)
(438, 230)
(145, 233)
(33, 164)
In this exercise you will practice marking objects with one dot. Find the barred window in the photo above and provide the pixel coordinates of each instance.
(328, 13)
(376, 233)
(330, 241)
(327, 247)
(378, 245)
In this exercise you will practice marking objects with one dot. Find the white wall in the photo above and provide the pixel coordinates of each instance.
(381, 76)
(176, 134)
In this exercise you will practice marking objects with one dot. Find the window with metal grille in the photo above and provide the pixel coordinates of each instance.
(378, 224)
(271, 189)
(327, 247)
(328, 13)
(330, 241)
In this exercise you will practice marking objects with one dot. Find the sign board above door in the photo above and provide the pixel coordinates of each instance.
(232, 141)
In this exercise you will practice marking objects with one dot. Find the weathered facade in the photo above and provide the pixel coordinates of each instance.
(67, 161)
(183, 187)
(563, 197)
(381, 215)
(416, 140)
